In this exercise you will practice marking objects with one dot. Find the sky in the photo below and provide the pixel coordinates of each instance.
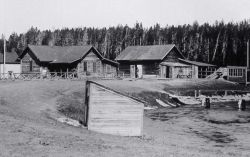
(19, 15)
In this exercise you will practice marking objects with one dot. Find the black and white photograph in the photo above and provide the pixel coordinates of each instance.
(124, 78)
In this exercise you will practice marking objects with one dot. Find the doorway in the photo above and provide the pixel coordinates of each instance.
(167, 72)
(139, 71)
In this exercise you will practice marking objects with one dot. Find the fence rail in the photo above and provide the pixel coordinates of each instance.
(48, 76)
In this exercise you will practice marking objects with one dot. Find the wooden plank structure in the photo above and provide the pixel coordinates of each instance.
(164, 61)
(237, 74)
(111, 112)
(85, 60)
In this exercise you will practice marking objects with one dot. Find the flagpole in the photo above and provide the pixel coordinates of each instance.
(4, 53)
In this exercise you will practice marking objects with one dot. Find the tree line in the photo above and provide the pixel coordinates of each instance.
(219, 43)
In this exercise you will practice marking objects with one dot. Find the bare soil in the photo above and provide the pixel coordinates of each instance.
(28, 127)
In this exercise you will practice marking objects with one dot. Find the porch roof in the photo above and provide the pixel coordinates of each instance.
(174, 64)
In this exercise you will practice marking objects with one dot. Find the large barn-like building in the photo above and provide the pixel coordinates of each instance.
(164, 61)
(85, 60)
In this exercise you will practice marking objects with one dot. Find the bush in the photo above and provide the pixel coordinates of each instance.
(72, 106)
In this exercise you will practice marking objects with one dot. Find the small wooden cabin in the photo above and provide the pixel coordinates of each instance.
(144, 61)
(111, 112)
(85, 60)
(164, 61)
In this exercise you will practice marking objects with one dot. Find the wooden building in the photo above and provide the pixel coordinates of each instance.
(11, 64)
(164, 61)
(199, 69)
(85, 60)
(112, 112)
(237, 74)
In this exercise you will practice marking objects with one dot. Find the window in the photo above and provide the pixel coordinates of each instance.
(108, 68)
(236, 72)
(94, 67)
(84, 66)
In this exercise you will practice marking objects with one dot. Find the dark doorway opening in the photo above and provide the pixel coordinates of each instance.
(167, 71)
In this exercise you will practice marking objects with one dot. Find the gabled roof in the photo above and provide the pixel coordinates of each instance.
(78, 55)
(174, 64)
(196, 63)
(120, 92)
(62, 54)
(153, 52)
(10, 58)
(72, 54)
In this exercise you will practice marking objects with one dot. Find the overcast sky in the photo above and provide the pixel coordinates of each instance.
(19, 15)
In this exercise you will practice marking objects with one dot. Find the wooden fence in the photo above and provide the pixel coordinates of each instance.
(39, 76)
(49, 76)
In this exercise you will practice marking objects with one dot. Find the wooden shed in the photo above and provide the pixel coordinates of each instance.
(112, 112)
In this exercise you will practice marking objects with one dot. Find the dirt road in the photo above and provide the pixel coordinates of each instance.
(28, 129)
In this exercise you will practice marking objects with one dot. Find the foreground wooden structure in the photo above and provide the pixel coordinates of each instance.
(112, 112)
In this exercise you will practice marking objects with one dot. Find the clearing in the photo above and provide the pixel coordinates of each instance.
(28, 126)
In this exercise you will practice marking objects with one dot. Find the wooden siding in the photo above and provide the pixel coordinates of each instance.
(29, 65)
(92, 65)
(149, 68)
(124, 69)
(173, 56)
(112, 113)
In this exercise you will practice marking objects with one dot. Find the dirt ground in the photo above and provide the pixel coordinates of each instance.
(28, 128)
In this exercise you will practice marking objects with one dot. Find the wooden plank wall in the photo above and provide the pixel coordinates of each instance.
(173, 56)
(112, 113)
(101, 69)
(25, 64)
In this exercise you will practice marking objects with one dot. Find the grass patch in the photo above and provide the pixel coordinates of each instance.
(71, 105)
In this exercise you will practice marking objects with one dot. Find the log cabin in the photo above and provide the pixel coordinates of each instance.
(164, 61)
(85, 60)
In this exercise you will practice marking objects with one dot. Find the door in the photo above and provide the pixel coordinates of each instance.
(30, 65)
(167, 72)
(139, 71)
(132, 71)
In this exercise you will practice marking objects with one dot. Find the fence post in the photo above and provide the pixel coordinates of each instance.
(242, 104)
(206, 102)
(67, 73)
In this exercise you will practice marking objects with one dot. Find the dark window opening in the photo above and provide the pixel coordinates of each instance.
(30, 65)
(84, 66)
(94, 67)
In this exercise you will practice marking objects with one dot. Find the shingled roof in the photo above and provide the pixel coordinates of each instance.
(59, 54)
(196, 63)
(154, 52)
(11, 58)
(62, 54)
